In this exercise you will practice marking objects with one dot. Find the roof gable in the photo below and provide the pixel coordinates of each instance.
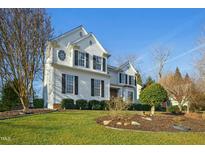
(70, 32)
(88, 36)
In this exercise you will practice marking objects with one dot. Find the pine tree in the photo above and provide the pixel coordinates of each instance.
(148, 82)
(177, 74)
(187, 78)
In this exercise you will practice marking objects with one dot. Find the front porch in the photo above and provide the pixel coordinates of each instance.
(124, 92)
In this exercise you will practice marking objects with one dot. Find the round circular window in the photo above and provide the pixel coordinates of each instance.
(61, 55)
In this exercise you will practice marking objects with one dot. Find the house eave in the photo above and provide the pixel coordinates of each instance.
(80, 69)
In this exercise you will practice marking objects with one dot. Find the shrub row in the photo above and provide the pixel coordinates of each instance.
(82, 104)
(139, 107)
(38, 103)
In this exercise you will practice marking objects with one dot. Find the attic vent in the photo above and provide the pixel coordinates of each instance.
(81, 34)
(90, 42)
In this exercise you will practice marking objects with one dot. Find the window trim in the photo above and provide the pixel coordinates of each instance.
(97, 63)
(73, 84)
(100, 87)
(132, 95)
(80, 53)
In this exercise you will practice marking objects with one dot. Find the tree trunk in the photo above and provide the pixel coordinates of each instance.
(152, 110)
(25, 103)
(180, 107)
(187, 111)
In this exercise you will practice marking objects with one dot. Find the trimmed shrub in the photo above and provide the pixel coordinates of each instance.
(160, 108)
(38, 103)
(104, 105)
(140, 107)
(174, 109)
(95, 105)
(81, 104)
(67, 104)
(153, 95)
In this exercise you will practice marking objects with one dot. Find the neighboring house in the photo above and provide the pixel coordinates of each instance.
(123, 82)
(76, 67)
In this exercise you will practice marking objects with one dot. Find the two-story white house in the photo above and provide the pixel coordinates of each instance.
(76, 67)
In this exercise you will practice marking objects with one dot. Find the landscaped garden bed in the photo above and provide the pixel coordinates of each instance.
(20, 113)
(158, 123)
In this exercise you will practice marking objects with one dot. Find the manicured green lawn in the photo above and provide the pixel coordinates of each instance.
(79, 127)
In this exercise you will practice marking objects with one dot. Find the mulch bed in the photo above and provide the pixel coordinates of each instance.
(20, 113)
(159, 123)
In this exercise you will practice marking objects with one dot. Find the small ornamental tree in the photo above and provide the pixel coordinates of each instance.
(153, 95)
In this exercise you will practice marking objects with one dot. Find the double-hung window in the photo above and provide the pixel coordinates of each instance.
(131, 80)
(70, 84)
(97, 63)
(81, 59)
(123, 78)
(97, 87)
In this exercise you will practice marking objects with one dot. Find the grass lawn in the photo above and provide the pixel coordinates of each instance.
(79, 127)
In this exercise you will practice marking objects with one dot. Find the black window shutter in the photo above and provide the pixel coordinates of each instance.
(76, 57)
(135, 81)
(87, 60)
(76, 85)
(130, 78)
(63, 83)
(120, 77)
(104, 65)
(94, 62)
(102, 88)
(92, 87)
(126, 79)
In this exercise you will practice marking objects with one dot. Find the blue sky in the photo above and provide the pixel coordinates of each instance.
(137, 31)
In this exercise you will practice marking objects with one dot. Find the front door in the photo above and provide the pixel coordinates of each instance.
(113, 92)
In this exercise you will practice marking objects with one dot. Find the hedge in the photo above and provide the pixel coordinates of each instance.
(174, 109)
(81, 104)
(38, 103)
(139, 107)
(97, 105)
(67, 104)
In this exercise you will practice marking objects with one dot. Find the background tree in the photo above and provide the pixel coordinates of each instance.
(197, 99)
(23, 37)
(148, 82)
(178, 88)
(161, 55)
(139, 78)
(153, 95)
(10, 99)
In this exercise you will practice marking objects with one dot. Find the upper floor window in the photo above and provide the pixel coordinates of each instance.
(81, 59)
(123, 78)
(131, 80)
(97, 63)
(61, 55)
